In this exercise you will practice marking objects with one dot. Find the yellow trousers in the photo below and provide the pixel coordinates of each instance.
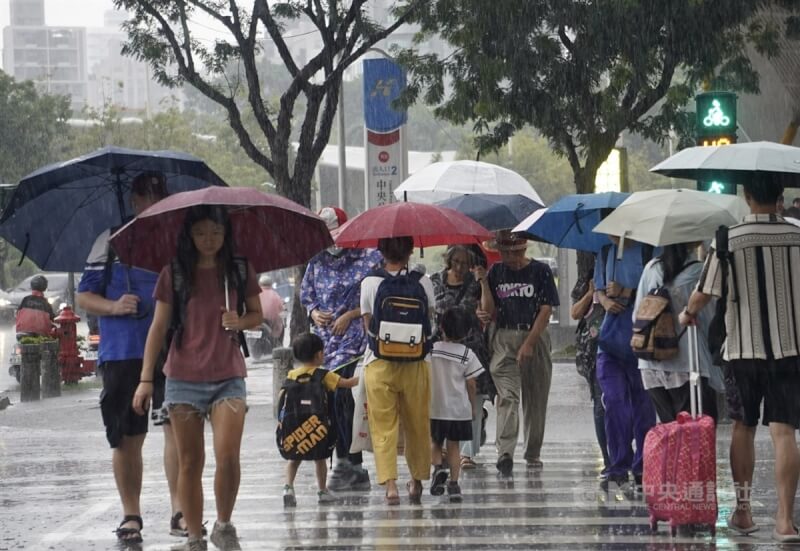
(398, 390)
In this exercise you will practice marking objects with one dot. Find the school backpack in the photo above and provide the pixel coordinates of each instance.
(654, 335)
(400, 328)
(305, 429)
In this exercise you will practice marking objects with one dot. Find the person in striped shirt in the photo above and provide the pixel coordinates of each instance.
(761, 351)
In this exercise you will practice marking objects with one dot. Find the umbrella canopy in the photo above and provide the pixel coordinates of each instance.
(271, 231)
(445, 180)
(734, 163)
(429, 225)
(55, 213)
(667, 216)
(494, 212)
(568, 222)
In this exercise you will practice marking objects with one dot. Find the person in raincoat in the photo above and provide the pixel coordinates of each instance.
(331, 292)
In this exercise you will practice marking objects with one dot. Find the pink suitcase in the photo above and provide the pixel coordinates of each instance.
(680, 463)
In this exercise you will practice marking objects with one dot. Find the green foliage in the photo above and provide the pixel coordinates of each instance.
(31, 122)
(36, 339)
(581, 72)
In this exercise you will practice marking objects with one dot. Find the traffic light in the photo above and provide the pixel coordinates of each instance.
(716, 186)
(716, 118)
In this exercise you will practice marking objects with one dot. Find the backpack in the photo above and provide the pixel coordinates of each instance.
(305, 429)
(654, 335)
(400, 328)
(180, 299)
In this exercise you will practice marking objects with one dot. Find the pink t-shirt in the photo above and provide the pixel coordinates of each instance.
(208, 352)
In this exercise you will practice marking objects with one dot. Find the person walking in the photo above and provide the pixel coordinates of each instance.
(121, 298)
(589, 314)
(760, 283)
(204, 367)
(454, 369)
(309, 350)
(35, 314)
(667, 381)
(629, 414)
(455, 286)
(522, 294)
(331, 293)
(272, 308)
(398, 391)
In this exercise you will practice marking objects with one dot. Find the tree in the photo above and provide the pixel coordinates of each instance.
(32, 124)
(160, 32)
(582, 72)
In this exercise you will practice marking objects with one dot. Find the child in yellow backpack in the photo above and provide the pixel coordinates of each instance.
(308, 350)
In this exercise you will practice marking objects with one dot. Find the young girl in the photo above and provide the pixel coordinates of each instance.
(205, 369)
(454, 368)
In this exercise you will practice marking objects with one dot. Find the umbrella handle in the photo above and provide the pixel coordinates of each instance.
(227, 298)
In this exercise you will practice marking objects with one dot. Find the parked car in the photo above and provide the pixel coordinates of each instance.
(56, 293)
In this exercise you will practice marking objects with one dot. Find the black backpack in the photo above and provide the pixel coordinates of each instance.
(305, 430)
(400, 327)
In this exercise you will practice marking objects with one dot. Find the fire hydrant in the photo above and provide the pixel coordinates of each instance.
(68, 358)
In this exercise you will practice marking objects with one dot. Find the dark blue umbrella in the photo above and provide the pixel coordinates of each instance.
(568, 222)
(493, 212)
(56, 213)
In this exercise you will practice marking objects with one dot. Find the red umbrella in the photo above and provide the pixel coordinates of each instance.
(271, 231)
(429, 225)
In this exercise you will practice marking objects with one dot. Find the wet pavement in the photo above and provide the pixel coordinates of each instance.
(57, 491)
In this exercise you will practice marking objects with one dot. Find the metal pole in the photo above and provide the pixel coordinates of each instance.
(342, 151)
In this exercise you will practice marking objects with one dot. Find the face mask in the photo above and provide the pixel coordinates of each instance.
(335, 251)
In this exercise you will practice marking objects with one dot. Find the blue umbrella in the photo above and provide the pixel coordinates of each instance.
(56, 213)
(493, 212)
(568, 222)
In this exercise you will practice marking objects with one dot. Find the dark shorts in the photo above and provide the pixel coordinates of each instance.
(120, 379)
(453, 431)
(775, 382)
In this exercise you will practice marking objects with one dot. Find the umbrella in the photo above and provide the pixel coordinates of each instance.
(493, 212)
(734, 163)
(55, 213)
(271, 231)
(569, 221)
(429, 225)
(667, 216)
(445, 180)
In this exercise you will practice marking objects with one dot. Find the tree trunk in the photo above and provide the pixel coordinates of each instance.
(3, 259)
(299, 321)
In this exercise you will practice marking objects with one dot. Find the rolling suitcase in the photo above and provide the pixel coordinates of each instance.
(680, 462)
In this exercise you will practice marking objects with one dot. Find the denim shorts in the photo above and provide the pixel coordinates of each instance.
(203, 396)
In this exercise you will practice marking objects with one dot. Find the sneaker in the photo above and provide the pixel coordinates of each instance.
(191, 544)
(454, 492)
(324, 497)
(437, 481)
(342, 476)
(505, 464)
(289, 500)
(224, 536)
(361, 482)
(614, 482)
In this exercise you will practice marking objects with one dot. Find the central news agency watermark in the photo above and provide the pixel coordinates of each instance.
(695, 495)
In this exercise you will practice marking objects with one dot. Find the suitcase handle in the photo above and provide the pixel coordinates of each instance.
(695, 384)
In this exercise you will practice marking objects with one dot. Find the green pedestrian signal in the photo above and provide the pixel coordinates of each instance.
(715, 186)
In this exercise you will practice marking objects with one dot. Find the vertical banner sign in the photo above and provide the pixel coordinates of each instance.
(385, 149)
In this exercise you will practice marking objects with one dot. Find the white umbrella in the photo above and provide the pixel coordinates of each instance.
(445, 180)
(734, 163)
(668, 216)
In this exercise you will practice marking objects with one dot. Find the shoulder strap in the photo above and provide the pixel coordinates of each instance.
(241, 288)
(318, 375)
(111, 257)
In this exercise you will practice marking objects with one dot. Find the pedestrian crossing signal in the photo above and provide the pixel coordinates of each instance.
(715, 186)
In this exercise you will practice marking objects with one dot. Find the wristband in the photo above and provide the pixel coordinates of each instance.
(151, 382)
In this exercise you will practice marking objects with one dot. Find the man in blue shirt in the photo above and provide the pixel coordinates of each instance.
(122, 298)
(629, 413)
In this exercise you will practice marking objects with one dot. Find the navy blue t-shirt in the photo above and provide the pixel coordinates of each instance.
(518, 294)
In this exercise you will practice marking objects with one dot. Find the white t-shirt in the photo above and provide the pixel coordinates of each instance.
(369, 290)
(451, 365)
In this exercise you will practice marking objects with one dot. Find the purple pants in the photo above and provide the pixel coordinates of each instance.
(629, 413)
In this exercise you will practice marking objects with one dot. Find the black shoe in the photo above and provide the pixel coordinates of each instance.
(505, 464)
(614, 482)
(454, 492)
(438, 480)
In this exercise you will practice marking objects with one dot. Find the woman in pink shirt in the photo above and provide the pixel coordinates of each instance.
(205, 369)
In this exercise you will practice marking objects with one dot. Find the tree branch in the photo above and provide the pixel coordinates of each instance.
(265, 15)
(562, 34)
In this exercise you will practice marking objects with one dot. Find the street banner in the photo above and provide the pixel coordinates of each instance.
(385, 144)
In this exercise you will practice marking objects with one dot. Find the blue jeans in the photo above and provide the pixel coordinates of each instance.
(629, 413)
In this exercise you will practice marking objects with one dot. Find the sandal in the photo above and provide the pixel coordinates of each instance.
(414, 491)
(130, 535)
(467, 463)
(393, 499)
(175, 526)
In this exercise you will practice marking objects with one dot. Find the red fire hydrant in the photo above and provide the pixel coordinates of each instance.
(68, 358)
